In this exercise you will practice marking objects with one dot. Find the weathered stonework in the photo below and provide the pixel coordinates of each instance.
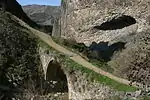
(80, 88)
(46, 58)
(79, 85)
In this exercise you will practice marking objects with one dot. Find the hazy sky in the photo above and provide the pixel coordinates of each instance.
(40, 2)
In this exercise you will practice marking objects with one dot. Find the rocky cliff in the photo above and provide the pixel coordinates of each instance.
(103, 20)
(105, 24)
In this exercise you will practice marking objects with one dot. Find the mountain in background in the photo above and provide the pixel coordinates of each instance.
(42, 14)
(15, 8)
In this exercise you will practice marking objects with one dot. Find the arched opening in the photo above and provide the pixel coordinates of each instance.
(117, 23)
(56, 78)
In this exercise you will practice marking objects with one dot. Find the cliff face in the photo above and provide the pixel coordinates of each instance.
(103, 20)
(109, 22)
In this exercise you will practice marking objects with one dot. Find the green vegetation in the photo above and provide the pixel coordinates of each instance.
(101, 64)
(99, 78)
(91, 74)
(116, 97)
(82, 50)
(45, 45)
(71, 44)
(145, 98)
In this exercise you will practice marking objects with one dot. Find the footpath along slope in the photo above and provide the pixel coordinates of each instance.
(75, 57)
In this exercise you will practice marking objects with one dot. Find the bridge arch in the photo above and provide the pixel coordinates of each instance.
(56, 76)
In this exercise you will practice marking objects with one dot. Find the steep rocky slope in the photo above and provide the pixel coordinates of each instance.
(42, 14)
(19, 59)
(133, 62)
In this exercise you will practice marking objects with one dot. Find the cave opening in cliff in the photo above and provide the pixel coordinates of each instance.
(56, 78)
(117, 23)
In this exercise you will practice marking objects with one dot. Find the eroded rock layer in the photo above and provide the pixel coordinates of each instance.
(103, 20)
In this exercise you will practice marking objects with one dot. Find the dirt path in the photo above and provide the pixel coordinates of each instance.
(75, 57)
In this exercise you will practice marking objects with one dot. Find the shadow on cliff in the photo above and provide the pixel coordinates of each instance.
(99, 51)
(103, 51)
(117, 23)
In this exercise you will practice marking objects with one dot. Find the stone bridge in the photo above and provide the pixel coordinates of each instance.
(46, 59)
(53, 73)
(74, 83)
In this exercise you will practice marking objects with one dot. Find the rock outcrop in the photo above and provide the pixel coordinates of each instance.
(133, 62)
(103, 20)
(111, 22)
